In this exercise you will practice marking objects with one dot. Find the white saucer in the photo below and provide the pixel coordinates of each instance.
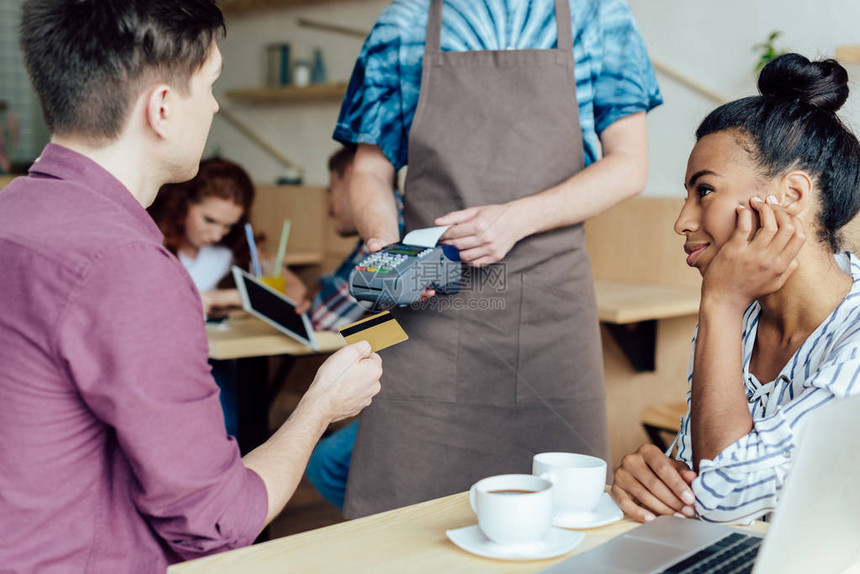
(557, 542)
(606, 512)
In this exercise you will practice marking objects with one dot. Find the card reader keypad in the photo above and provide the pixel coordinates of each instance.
(383, 262)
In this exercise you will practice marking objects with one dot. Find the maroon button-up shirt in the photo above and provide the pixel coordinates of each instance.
(113, 453)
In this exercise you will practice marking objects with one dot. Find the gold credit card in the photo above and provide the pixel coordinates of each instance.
(380, 331)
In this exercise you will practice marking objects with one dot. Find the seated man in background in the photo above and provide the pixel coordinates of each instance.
(332, 308)
(115, 457)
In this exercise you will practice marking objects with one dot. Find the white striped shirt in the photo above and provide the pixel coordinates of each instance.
(744, 481)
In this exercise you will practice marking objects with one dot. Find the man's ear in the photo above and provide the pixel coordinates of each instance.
(158, 109)
(796, 191)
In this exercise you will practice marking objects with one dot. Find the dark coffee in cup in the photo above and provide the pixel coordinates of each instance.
(511, 491)
(513, 508)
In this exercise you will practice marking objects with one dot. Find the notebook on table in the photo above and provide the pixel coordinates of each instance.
(815, 529)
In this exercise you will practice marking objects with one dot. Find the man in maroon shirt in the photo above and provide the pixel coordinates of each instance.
(114, 456)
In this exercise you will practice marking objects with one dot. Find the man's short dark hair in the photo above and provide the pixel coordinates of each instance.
(341, 160)
(88, 59)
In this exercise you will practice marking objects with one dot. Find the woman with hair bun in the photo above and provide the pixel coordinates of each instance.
(771, 181)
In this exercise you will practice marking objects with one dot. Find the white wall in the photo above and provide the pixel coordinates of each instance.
(710, 42)
(302, 131)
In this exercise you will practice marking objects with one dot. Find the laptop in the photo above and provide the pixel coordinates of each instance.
(815, 528)
(274, 308)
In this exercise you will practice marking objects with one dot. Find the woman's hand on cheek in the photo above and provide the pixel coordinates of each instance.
(755, 262)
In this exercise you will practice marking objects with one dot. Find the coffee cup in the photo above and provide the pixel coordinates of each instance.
(513, 509)
(578, 480)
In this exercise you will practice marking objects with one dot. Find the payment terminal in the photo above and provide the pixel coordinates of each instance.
(399, 273)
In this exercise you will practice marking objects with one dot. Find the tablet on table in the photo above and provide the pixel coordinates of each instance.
(274, 308)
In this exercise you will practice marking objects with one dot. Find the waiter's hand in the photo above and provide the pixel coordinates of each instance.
(483, 234)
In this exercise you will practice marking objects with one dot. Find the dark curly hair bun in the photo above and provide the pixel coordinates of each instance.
(822, 84)
(793, 125)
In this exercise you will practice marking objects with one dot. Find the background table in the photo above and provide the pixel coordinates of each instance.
(630, 312)
(410, 539)
(243, 336)
(252, 343)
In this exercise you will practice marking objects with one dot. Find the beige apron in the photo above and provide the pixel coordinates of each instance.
(512, 366)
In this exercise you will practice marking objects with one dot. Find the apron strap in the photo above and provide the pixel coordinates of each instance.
(564, 25)
(433, 42)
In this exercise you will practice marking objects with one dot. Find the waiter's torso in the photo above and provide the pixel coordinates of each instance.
(518, 348)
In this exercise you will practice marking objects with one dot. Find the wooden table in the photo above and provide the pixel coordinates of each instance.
(243, 336)
(410, 539)
(630, 312)
(620, 302)
(251, 343)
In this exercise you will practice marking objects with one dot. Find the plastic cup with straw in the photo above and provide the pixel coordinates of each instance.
(276, 278)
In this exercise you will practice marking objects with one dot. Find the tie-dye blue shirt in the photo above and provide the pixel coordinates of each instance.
(614, 77)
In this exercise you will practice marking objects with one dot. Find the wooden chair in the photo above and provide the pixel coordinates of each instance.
(659, 420)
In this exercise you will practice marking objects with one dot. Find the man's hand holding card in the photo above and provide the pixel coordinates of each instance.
(381, 331)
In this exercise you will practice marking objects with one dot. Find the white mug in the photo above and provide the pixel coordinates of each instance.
(578, 480)
(513, 509)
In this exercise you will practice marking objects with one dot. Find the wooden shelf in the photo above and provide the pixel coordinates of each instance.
(318, 92)
(848, 54)
(242, 6)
